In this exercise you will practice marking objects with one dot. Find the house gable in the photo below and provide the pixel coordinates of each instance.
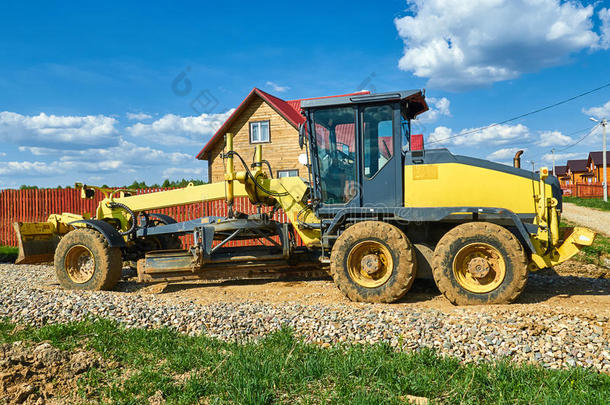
(280, 106)
(282, 151)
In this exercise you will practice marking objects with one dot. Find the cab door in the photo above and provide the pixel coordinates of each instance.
(380, 156)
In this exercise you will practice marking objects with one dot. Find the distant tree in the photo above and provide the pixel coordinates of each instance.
(26, 187)
(137, 185)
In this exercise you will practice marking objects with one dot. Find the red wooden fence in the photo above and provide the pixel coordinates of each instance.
(37, 205)
(583, 190)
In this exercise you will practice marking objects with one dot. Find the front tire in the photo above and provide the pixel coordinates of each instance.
(480, 263)
(373, 262)
(84, 261)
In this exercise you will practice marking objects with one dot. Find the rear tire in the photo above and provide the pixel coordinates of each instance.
(480, 263)
(84, 261)
(373, 262)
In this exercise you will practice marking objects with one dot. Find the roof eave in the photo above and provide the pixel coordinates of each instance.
(204, 153)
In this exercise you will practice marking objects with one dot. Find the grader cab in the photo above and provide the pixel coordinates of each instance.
(376, 212)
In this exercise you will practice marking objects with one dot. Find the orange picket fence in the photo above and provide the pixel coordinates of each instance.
(583, 190)
(37, 205)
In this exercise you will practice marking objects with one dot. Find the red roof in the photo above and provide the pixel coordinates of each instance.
(577, 165)
(561, 170)
(598, 157)
(289, 110)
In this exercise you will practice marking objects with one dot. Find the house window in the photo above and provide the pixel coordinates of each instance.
(259, 131)
(287, 173)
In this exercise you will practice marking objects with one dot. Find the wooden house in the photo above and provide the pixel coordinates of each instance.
(578, 171)
(596, 166)
(561, 172)
(261, 118)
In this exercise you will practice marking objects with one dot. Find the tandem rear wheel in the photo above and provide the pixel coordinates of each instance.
(480, 263)
(84, 261)
(373, 261)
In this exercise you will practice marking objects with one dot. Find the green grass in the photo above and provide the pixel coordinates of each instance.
(8, 253)
(596, 253)
(596, 203)
(283, 369)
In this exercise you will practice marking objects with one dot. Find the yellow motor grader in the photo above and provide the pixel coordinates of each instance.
(377, 211)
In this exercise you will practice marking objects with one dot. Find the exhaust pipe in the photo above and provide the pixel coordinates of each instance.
(517, 159)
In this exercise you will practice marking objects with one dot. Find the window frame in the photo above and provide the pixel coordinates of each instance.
(259, 127)
(287, 171)
(362, 131)
(313, 120)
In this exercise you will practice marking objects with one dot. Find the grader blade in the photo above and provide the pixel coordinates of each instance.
(37, 242)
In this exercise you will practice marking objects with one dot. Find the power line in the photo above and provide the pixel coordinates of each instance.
(518, 143)
(591, 131)
(523, 115)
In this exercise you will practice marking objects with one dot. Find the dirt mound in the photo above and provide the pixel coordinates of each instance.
(41, 373)
(574, 268)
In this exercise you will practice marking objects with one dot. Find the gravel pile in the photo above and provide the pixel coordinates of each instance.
(554, 340)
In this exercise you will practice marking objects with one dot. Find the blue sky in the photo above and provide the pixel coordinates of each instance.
(97, 93)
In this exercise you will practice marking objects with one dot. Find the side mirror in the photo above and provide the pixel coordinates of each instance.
(302, 131)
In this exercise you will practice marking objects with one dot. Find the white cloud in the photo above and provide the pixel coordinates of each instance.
(124, 158)
(554, 138)
(561, 158)
(29, 169)
(127, 152)
(496, 135)
(180, 172)
(38, 151)
(440, 135)
(62, 132)
(600, 112)
(2, 154)
(604, 16)
(503, 153)
(175, 130)
(439, 107)
(277, 88)
(36, 169)
(460, 44)
(138, 116)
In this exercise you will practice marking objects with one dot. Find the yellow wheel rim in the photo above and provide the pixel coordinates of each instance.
(479, 268)
(80, 264)
(370, 264)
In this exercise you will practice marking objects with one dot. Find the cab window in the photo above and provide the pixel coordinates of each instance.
(377, 138)
(335, 136)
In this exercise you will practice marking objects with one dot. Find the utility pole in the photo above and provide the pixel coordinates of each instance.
(604, 124)
(553, 151)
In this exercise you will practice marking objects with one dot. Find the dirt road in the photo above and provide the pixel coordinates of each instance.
(573, 288)
(597, 220)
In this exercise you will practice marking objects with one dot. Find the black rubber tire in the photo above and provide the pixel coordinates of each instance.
(498, 237)
(403, 257)
(108, 261)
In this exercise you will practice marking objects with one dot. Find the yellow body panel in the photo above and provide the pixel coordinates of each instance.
(461, 185)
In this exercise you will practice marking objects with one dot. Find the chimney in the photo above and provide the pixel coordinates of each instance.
(517, 159)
